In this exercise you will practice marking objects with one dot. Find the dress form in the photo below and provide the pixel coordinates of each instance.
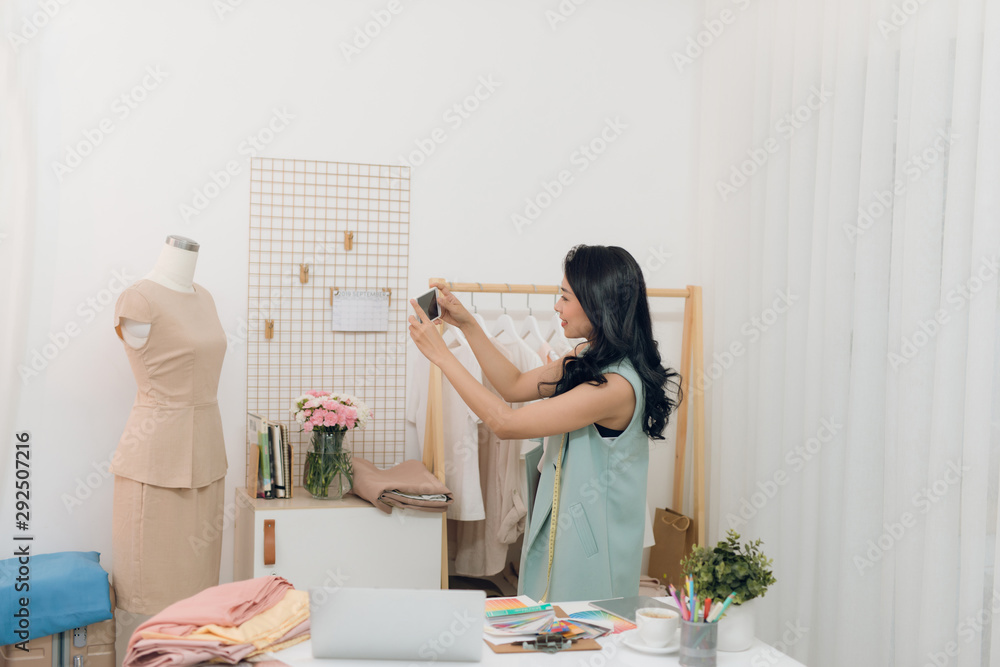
(174, 269)
(170, 463)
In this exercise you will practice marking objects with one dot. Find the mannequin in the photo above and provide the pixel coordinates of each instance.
(174, 269)
(170, 463)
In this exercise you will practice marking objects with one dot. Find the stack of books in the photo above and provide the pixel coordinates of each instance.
(270, 449)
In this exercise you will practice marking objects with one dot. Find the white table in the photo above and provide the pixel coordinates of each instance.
(615, 653)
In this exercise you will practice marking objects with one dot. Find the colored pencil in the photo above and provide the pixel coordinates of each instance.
(708, 607)
(725, 605)
(677, 599)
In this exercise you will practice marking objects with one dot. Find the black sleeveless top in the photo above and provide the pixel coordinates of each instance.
(608, 432)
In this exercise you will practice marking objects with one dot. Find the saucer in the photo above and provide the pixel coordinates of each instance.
(634, 641)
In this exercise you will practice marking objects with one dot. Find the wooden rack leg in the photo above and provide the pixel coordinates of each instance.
(698, 333)
(680, 447)
(433, 456)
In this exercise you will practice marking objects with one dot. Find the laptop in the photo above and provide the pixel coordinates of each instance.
(397, 624)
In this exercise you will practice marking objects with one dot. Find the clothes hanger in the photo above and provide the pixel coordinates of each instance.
(475, 310)
(505, 324)
(453, 335)
(531, 327)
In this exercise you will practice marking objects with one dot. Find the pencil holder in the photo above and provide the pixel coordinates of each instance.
(699, 643)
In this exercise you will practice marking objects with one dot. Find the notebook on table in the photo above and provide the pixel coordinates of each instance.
(397, 624)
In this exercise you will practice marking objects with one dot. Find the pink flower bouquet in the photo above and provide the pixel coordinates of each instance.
(327, 411)
(328, 472)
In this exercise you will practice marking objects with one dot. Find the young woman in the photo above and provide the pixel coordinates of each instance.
(603, 402)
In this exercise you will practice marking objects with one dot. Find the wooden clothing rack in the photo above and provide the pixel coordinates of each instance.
(692, 365)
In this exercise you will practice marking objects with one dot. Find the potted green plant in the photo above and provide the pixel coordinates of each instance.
(731, 568)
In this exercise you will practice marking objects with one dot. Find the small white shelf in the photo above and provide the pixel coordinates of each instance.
(345, 542)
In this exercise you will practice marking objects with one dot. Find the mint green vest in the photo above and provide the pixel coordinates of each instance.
(602, 512)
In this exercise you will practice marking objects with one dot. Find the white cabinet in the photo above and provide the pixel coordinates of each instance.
(337, 543)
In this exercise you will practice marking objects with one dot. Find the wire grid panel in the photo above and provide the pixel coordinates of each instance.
(300, 211)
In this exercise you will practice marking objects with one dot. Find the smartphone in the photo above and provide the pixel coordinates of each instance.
(428, 301)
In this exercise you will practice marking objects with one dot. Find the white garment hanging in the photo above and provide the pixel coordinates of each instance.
(460, 431)
(504, 329)
(531, 333)
(482, 546)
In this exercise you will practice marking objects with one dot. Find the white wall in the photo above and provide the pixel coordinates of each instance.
(222, 77)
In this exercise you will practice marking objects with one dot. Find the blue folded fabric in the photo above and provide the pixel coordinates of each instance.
(63, 590)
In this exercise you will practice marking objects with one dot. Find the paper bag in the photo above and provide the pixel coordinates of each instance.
(675, 535)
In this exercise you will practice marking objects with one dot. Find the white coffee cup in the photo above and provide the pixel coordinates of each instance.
(657, 626)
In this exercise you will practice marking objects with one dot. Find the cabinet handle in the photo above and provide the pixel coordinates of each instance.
(269, 542)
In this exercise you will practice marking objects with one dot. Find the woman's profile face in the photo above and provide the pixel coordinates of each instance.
(574, 321)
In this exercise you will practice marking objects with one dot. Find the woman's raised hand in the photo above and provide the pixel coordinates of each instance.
(452, 310)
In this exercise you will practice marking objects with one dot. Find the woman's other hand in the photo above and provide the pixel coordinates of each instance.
(452, 310)
(425, 335)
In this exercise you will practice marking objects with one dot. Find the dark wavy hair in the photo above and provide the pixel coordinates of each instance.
(609, 284)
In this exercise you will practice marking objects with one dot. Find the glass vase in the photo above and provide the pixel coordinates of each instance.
(328, 473)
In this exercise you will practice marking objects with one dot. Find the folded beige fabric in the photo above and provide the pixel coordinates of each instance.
(263, 629)
(382, 488)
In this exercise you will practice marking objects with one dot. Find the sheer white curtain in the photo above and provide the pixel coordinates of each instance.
(17, 178)
(850, 236)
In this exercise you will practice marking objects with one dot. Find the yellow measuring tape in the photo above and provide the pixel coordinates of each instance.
(554, 519)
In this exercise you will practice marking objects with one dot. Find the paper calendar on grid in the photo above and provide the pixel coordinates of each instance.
(360, 311)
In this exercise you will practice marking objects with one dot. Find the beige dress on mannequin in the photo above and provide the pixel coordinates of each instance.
(170, 464)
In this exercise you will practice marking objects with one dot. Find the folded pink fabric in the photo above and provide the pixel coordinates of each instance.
(302, 628)
(181, 652)
(227, 604)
